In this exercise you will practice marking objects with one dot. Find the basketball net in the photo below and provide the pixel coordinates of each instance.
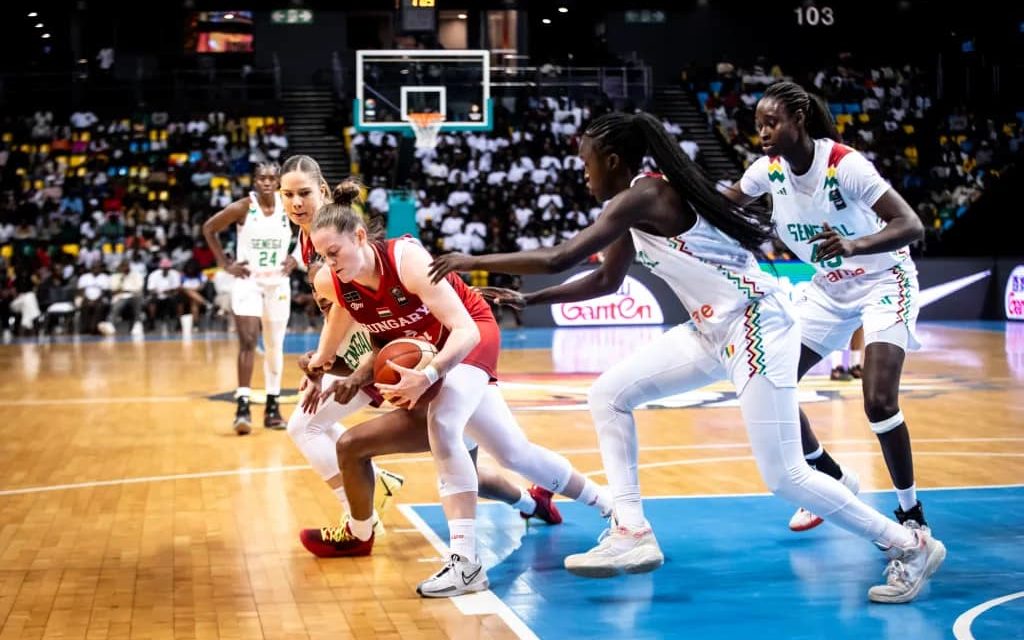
(426, 126)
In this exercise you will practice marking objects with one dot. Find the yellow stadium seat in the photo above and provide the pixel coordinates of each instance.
(478, 278)
(909, 128)
(864, 118)
(7, 251)
(70, 248)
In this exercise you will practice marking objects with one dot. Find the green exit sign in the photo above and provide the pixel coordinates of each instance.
(292, 16)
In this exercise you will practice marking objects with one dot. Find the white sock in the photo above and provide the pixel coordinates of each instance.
(462, 537)
(526, 503)
(597, 496)
(814, 455)
(630, 514)
(361, 529)
(243, 392)
(855, 356)
(342, 498)
(907, 497)
(837, 359)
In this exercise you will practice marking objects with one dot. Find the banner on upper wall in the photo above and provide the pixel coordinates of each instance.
(950, 289)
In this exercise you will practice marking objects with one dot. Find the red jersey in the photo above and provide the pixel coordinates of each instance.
(391, 311)
(308, 252)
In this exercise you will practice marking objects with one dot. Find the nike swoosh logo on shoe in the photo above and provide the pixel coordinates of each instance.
(467, 579)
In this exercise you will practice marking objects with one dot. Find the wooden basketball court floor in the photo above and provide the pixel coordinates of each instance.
(129, 509)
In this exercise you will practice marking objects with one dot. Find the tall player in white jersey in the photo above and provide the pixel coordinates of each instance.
(703, 246)
(834, 211)
(261, 293)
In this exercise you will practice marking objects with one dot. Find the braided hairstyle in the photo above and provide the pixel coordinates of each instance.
(818, 120)
(632, 136)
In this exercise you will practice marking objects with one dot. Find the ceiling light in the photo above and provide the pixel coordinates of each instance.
(546, 20)
(563, 9)
(39, 25)
(462, 16)
(229, 16)
(33, 14)
(45, 36)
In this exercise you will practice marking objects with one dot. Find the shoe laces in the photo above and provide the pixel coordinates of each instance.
(339, 533)
(449, 565)
(896, 572)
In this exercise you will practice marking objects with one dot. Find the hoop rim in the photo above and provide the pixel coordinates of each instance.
(424, 119)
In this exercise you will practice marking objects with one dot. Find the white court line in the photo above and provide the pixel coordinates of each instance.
(962, 626)
(178, 476)
(689, 461)
(830, 443)
(98, 400)
(474, 604)
(763, 494)
(425, 459)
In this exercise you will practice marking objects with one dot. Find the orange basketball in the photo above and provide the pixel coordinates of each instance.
(409, 353)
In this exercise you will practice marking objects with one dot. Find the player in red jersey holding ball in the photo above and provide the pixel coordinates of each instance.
(384, 286)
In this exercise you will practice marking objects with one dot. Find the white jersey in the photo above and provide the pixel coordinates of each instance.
(263, 241)
(840, 188)
(714, 276)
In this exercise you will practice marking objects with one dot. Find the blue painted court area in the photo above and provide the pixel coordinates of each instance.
(733, 570)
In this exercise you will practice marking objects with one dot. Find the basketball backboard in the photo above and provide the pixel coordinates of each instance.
(392, 83)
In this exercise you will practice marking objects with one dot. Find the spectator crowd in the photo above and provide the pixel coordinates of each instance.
(100, 217)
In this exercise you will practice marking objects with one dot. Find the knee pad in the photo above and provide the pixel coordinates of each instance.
(297, 425)
(887, 425)
(450, 484)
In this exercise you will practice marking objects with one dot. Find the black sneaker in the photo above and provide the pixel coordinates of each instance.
(856, 372)
(243, 418)
(841, 373)
(916, 514)
(272, 415)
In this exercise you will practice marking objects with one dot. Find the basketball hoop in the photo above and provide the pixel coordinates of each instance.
(426, 126)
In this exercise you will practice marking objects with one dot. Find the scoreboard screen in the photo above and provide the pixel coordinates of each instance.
(417, 16)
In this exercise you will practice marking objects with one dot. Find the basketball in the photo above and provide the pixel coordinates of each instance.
(409, 353)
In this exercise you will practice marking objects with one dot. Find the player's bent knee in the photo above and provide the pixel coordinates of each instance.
(298, 424)
(352, 447)
(885, 425)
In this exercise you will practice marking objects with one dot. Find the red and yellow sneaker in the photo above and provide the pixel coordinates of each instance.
(546, 509)
(335, 542)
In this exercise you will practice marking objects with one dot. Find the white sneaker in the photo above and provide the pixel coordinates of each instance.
(804, 520)
(619, 550)
(909, 568)
(458, 576)
(106, 328)
(137, 329)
